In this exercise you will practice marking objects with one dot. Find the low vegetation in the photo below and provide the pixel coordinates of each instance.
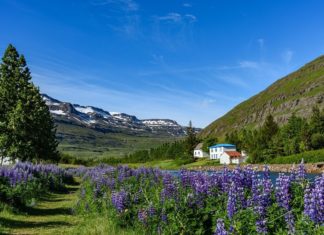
(308, 157)
(149, 201)
(271, 141)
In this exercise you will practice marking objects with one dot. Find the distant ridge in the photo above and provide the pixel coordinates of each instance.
(105, 121)
(297, 92)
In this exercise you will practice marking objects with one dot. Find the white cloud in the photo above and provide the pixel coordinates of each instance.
(177, 18)
(191, 17)
(173, 16)
(248, 64)
(287, 56)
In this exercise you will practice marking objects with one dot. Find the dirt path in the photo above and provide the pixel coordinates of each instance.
(52, 215)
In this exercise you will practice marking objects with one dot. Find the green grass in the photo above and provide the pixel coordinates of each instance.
(309, 157)
(305, 83)
(85, 142)
(53, 215)
(175, 164)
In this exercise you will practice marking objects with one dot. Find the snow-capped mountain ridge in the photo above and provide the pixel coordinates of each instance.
(99, 119)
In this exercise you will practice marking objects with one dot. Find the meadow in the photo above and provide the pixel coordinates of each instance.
(46, 199)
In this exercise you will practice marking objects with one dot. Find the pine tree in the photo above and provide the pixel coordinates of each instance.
(27, 131)
(317, 121)
(191, 140)
(269, 128)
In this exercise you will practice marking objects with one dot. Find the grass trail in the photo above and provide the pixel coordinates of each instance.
(51, 215)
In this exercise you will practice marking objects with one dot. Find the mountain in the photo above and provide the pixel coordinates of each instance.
(298, 92)
(91, 131)
(104, 121)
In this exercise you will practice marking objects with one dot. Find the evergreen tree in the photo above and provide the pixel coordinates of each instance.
(269, 128)
(27, 130)
(191, 140)
(209, 142)
(317, 121)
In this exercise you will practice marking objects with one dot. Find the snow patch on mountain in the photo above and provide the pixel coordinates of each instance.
(160, 122)
(58, 112)
(100, 119)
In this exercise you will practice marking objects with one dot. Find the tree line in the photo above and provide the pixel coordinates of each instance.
(298, 135)
(181, 149)
(27, 131)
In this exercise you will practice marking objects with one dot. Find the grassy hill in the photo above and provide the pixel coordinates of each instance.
(86, 142)
(298, 92)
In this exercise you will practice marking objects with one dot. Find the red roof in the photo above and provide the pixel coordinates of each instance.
(233, 153)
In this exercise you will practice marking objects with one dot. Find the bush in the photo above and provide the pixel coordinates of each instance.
(309, 157)
(317, 141)
(24, 183)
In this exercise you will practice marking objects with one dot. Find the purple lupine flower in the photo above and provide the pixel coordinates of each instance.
(261, 192)
(142, 216)
(164, 216)
(170, 188)
(220, 228)
(314, 200)
(301, 171)
(119, 200)
(151, 210)
(283, 198)
(231, 202)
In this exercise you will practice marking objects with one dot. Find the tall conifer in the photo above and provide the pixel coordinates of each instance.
(27, 131)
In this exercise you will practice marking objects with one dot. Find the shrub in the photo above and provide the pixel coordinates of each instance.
(309, 157)
(23, 183)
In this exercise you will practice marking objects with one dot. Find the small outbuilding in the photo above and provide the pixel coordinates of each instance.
(5, 161)
(199, 152)
(231, 157)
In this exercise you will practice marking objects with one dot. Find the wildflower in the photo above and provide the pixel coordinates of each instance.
(220, 228)
(119, 200)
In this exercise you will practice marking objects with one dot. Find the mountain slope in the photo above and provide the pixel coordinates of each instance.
(298, 92)
(104, 121)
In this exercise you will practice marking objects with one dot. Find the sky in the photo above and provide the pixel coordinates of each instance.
(177, 59)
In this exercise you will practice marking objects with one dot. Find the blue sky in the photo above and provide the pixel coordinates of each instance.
(184, 60)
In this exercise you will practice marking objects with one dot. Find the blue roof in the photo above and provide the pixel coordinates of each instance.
(223, 145)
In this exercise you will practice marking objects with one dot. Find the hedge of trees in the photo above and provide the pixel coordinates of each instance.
(269, 141)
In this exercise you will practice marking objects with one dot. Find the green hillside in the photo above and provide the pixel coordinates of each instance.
(298, 92)
(85, 142)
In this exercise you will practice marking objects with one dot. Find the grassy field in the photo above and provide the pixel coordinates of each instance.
(309, 157)
(54, 215)
(86, 142)
(175, 164)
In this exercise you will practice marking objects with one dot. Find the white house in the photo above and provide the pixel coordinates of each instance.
(227, 154)
(198, 151)
(217, 150)
(4, 161)
(231, 157)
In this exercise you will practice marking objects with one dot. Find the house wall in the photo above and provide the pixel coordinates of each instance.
(225, 159)
(200, 154)
(215, 153)
(6, 161)
(236, 160)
